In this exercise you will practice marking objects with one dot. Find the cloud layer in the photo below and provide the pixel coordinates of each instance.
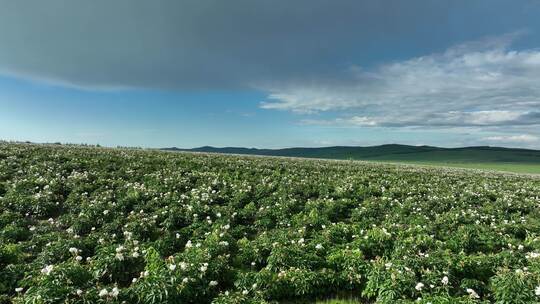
(194, 44)
(346, 63)
(524, 138)
(483, 83)
(241, 44)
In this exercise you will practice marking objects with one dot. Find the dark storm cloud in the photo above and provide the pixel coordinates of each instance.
(203, 44)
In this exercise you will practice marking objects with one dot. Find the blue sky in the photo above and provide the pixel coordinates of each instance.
(149, 118)
(271, 73)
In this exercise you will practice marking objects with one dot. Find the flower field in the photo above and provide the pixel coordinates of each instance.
(96, 225)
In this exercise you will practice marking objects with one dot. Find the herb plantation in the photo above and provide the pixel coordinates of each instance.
(96, 225)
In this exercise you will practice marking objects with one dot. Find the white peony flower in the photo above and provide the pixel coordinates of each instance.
(419, 286)
(18, 289)
(444, 280)
(172, 267)
(213, 283)
(537, 290)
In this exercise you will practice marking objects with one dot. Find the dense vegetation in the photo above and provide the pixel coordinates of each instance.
(96, 225)
(493, 158)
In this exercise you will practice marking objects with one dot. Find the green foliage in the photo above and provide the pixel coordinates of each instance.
(514, 286)
(97, 225)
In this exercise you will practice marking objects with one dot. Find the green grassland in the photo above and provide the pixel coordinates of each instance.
(81, 224)
(526, 168)
(488, 158)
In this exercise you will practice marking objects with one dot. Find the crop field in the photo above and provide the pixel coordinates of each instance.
(97, 225)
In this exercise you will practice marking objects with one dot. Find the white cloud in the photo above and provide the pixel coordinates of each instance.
(448, 119)
(523, 138)
(355, 121)
(482, 83)
(475, 118)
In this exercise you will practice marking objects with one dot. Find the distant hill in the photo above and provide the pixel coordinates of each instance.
(393, 152)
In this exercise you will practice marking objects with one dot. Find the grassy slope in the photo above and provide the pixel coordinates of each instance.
(511, 160)
(492, 158)
(528, 168)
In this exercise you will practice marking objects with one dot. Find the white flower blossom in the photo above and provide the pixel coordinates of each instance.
(47, 269)
(472, 293)
(103, 293)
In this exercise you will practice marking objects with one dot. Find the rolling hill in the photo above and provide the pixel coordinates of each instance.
(484, 157)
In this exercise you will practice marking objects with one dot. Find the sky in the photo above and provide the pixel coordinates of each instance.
(271, 74)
